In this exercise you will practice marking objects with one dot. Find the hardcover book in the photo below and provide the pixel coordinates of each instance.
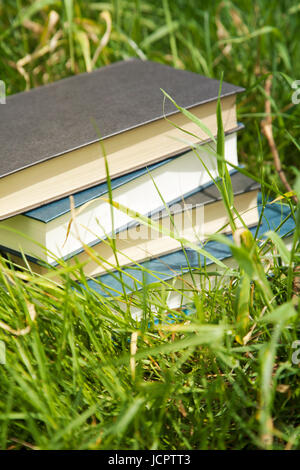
(50, 136)
(193, 217)
(43, 232)
(176, 267)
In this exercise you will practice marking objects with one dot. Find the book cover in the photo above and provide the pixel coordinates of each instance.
(202, 196)
(54, 119)
(175, 264)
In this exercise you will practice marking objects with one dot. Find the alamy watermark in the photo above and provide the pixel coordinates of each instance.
(2, 92)
(296, 94)
(296, 354)
(2, 353)
(187, 219)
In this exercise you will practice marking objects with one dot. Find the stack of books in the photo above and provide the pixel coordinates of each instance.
(64, 138)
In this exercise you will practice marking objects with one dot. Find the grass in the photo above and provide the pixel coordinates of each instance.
(82, 373)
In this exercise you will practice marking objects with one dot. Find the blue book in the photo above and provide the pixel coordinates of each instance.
(194, 216)
(179, 263)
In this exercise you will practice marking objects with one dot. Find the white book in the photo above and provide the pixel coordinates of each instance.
(46, 238)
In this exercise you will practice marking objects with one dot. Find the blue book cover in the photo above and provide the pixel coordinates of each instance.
(177, 263)
(205, 194)
(55, 209)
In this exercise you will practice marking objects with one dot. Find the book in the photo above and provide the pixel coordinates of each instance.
(175, 268)
(193, 217)
(42, 233)
(51, 136)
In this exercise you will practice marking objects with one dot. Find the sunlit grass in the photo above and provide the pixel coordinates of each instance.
(81, 371)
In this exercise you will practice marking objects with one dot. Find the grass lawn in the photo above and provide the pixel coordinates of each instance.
(79, 371)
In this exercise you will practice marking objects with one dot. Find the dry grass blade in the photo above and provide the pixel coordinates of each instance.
(21, 331)
(296, 285)
(105, 15)
(133, 350)
(266, 125)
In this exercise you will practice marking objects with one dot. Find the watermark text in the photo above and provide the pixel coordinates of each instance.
(296, 94)
(2, 92)
(2, 353)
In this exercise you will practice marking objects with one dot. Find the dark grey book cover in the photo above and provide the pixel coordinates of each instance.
(54, 119)
(208, 194)
(202, 196)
